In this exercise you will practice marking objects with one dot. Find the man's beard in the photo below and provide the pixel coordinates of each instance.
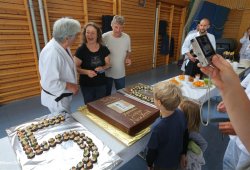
(203, 32)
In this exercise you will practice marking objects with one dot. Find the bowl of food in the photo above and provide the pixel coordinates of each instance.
(181, 77)
(199, 84)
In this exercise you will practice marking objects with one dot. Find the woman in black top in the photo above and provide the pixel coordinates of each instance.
(92, 59)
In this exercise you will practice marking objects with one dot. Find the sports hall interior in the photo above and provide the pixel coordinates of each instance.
(25, 29)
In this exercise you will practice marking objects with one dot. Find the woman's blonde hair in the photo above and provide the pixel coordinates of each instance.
(192, 114)
(169, 95)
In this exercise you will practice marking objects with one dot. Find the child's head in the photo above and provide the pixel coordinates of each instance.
(168, 94)
(192, 114)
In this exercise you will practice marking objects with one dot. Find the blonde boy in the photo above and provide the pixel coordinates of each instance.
(165, 145)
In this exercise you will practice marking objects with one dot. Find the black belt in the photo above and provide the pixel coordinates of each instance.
(60, 97)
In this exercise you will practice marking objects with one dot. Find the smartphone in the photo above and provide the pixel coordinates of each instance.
(203, 49)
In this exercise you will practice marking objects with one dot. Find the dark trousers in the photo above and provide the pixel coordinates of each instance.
(192, 69)
(119, 84)
(93, 93)
(157, 168)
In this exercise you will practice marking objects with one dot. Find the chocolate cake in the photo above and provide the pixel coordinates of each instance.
(124, 113)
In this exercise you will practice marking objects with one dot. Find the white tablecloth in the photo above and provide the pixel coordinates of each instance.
(198, 94)
(243, 67)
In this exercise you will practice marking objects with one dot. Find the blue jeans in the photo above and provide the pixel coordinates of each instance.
(119, 84)
(93, 93)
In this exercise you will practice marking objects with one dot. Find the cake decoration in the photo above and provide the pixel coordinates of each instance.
(32, 148)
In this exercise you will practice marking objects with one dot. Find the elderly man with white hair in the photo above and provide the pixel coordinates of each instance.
(57, 69)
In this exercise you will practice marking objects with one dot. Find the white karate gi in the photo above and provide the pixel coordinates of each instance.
(56, 67)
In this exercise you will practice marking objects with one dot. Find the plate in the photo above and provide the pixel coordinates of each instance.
(200, 85)
(176, 82)
(181, 77)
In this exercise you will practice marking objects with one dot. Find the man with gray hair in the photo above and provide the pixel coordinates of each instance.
(119, 46)
(57, 68)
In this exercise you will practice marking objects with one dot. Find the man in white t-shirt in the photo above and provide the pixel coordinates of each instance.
(119, 46)
(236, 156)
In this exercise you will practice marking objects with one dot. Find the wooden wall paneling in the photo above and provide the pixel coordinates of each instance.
(60, 8)
(245, 23)
(247, 4)
(156, 45)
(232, 25)
(38, 24)
(181, 25)
(170, 29)
(165, 14)
(175, 15)
(171, 19)
(119, 6)
(33, 82)
(85, 11)
(177, 28)
(232, 4)
(182, 3)
(46, 15)
(238, 19)
(140, 26)
(104, 7)
(18, 61)
(115, 9)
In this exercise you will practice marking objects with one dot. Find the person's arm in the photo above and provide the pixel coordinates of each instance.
(150, 157)
(127, 59)
(185, 50)
(226, 128)
(221, 107)
(78, 63)
(199, 140)
(244, 38)
(185, 142)
(233, 95)
(152, 147)
(74, 88)
(191, 57)
(183, 161)
(106, 66)
(107, 63)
